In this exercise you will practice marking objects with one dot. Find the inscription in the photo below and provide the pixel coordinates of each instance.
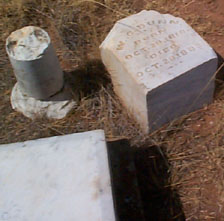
(159, 45)
(166, 55)
(145, 51)
(121, 45)
(141, 28)
(156, 22)
(157, 42)
(171, 61)
(133, 32)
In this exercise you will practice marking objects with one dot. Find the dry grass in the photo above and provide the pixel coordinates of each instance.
(194, 144)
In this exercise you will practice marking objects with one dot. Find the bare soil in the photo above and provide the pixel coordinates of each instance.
(191, 148)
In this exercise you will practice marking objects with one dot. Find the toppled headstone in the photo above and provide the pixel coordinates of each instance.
(58, 178)
(160, 67)
(38, 73)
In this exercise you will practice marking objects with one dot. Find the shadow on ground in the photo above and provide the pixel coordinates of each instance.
(87, 79)
(141, 184)
(160, 201)
(219, 83)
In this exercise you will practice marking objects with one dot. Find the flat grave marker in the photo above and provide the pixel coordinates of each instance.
(58, 178)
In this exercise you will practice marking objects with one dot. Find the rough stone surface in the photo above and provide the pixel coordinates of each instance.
(160, 67)
(28, 43)
(56, 107)
(58, 178)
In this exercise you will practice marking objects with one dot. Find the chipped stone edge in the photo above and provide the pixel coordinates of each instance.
(33, 108)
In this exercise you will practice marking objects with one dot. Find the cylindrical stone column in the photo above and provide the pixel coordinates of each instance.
(35, 63)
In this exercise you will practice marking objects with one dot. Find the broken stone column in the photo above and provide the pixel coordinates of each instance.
(38, 73)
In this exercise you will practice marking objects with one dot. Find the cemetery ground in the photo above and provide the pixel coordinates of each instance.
(181, 166)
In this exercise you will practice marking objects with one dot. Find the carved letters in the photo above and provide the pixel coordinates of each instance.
(158, 46)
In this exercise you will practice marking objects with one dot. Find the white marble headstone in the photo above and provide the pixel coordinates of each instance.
(64, 178)
(160, 67)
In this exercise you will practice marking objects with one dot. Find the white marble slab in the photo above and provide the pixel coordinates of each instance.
(64, 178)
(148, 50)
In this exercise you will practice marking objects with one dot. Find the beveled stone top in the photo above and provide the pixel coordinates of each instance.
(156, 48)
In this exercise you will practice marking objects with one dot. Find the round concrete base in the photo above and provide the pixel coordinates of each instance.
(56, 107)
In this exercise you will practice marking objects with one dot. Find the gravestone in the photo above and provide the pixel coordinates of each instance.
(160, 67)
(34, 62)
(58, 178)
(40, 90)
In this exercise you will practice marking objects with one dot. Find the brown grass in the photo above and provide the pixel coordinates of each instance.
(194, 144)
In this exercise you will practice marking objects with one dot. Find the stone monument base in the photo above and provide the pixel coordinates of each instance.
(56, 107)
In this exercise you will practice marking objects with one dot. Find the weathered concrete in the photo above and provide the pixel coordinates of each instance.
(35, 63)
(56, 107)
(58, 178)
(160, 67)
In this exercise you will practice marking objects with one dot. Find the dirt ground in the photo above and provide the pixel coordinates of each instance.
(192, 148)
